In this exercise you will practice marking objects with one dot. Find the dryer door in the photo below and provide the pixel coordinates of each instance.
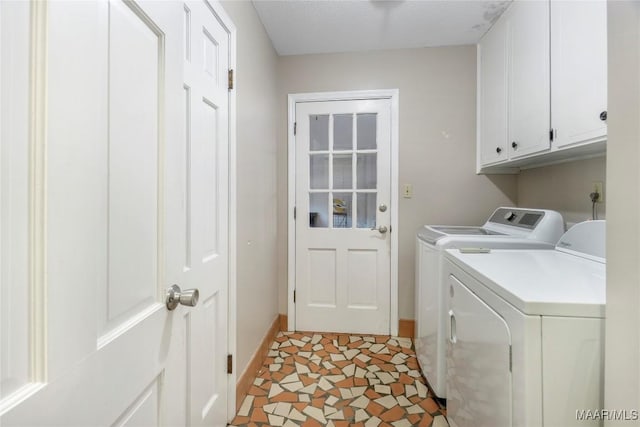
(478, 362)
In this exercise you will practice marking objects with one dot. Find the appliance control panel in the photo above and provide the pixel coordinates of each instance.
(522, 218)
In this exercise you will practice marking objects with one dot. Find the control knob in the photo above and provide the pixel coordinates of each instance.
(510, 216)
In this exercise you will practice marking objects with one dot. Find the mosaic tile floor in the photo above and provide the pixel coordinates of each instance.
(339, 380)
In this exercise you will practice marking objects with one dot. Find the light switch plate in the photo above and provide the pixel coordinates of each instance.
(407, 191)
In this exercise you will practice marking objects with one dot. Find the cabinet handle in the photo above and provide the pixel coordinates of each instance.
(498, 150)
(514, 145)
(603, 116)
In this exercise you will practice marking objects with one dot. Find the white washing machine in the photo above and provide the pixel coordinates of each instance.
(526, 333)
(513, 228)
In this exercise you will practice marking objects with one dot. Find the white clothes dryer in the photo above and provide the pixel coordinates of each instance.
(526, 333)
(507, 227)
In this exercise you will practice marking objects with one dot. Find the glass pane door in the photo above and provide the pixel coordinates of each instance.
(343, 170)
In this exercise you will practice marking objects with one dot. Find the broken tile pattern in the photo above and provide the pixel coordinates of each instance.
(339, 380)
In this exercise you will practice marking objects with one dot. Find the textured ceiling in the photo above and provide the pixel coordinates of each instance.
(323, 26)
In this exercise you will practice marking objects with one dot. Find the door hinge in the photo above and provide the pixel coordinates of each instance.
(551, 132)
(510, 358)
(294, 297)
(229, 364)
(230, 79)
(294, 212)
(295, 127)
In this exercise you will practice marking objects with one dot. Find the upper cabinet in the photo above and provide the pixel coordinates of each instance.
(542, 85)
(578, 71)
(492, 95)
(528, 76)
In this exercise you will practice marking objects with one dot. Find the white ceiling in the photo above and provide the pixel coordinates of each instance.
(323, 26)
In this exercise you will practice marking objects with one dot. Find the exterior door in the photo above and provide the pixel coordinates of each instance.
(113, 187)
(343, 216)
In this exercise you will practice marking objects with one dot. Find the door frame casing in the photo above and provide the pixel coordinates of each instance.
(393, 96)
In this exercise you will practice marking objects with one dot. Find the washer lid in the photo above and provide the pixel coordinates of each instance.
(432, 233)
(467, 231)
(539, 282)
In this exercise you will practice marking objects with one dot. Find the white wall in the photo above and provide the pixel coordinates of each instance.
(437, 140)
(256, 78)
(565, 188)
(622, 350)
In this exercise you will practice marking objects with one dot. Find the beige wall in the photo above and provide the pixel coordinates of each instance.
(437, 152)
(622, 350)
(565, 188)
(256, 77)
(437, 140)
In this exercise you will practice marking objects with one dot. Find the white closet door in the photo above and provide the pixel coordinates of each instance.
(110, 194)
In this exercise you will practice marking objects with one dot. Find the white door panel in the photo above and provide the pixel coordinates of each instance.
(125, 192)
(342, 177)
(14, 200)
(493, 87)
(206, 99)
(529, 85)
(579, 42)
(478, 362)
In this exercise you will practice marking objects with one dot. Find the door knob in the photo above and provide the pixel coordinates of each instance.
(382, 229)
(175, 296)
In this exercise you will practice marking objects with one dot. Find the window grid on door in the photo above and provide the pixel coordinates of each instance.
(343, 170)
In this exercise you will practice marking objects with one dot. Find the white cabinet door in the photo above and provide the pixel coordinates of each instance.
(578, 70)
(479, 391)
(492, 95)
(529, 104)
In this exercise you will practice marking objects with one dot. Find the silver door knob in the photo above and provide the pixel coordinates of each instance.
(175, 296)
(382, 229)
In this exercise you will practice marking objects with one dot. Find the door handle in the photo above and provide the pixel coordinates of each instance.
(452, 327)
(175, 296)
(382, 229)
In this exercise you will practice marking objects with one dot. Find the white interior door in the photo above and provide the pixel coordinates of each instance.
(343, 216)
(205, 196)
(113, 186)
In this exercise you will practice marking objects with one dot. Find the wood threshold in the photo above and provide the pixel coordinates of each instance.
(406, 327)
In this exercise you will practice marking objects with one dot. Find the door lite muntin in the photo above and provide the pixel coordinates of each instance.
(343, 170)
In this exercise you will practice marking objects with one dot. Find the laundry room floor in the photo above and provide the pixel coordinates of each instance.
(339, 380)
